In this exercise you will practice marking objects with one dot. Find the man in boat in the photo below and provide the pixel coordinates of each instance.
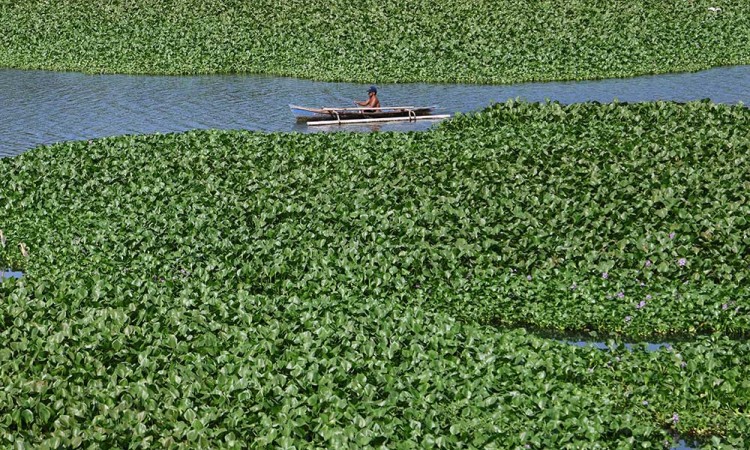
(372, 100)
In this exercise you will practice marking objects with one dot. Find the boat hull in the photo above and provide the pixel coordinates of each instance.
(304, 114)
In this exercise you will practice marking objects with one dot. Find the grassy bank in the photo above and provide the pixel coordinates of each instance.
(444, 41)
(217, 288)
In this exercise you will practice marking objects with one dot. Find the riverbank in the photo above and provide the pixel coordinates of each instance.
(445, 41)
(219, 287)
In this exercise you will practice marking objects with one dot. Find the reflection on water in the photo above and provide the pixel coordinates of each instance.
(649, 346)
(10, 274)
(682, 445)
(39, 107)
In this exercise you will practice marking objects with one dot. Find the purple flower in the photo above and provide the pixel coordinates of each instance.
(641, 304)
(671, 235)
(683, 364)
(621, 294)
(648, 297)
(675, 418)
(648, 263)
(528, 277)
(628, 318)
(605, 275)
(645, 403)
(682, 262)
(573, 287)
(724, 306)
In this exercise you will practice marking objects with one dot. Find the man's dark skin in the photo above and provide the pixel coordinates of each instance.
(372, 101)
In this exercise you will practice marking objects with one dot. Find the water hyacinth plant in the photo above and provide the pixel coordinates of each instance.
(12, 255)
(499, 41)
(230, 289)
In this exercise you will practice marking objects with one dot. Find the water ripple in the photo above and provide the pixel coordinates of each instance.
(39, 107)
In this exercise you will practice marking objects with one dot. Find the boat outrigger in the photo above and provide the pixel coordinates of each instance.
(341, 116)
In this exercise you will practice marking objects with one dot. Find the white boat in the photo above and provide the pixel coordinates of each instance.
(361, 115)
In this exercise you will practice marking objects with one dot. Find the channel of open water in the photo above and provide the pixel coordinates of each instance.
(10, 274)
(40, 107)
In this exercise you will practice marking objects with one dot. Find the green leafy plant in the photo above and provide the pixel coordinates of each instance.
(231, 289)
(442, 41)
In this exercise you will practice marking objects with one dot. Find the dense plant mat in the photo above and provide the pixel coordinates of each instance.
(501, 41)
(226, 288)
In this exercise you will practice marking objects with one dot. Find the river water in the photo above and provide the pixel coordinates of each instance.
(39, 107)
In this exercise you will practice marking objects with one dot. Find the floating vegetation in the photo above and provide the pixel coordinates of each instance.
(227, 288)
(12, 255)
(382, 41)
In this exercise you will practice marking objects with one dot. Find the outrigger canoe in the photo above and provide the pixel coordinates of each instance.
(329, 116)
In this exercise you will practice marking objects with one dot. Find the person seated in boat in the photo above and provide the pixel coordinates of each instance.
(372, 100)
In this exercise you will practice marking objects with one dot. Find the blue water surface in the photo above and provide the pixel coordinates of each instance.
(10, 274)
(40, 107)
